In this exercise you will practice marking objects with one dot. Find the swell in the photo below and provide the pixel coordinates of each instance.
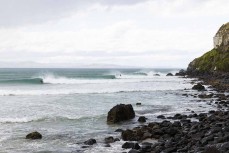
(22, 81)
(42, 119)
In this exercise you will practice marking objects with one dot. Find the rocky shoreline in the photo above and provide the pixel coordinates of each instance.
(204, 132)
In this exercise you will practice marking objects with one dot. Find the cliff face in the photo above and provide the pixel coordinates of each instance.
(216, 60)
(221, 38)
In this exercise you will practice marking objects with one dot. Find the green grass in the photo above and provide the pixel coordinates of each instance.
(212, 59)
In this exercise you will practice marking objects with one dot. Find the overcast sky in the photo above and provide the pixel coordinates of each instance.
(143, 33)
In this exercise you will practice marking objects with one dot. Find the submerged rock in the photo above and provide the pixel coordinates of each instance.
(169, 74)
(90, 142)
(109, 140)
(142, 119)
(120, 113)
(198, 87)
(34, 135)
(128, 145)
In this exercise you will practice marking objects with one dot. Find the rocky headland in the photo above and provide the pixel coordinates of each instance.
(204, 132)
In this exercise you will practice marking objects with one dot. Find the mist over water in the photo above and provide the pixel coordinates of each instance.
(69, 106)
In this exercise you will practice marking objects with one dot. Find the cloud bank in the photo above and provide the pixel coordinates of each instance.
(142, 33)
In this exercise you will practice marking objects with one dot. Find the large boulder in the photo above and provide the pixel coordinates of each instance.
(120, 113)
(198, 87)
(34, 135)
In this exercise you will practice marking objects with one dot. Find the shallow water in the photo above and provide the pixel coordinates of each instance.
(70, 106)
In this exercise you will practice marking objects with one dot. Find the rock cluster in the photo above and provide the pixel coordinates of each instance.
(211, 132)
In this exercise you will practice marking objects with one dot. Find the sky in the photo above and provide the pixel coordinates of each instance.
(103, 33)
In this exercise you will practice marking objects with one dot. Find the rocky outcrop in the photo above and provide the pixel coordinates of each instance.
(120, 113)
(216, 60)
(181, 73)
(221, 38)
(34, 135)
(169, 74)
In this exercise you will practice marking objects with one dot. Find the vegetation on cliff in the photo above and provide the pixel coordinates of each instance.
(216, 60)
(211, 61)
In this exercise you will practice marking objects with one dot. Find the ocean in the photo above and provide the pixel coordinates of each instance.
(69, 106)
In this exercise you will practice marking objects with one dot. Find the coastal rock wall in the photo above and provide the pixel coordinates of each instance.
(221, 38)
(216, 60)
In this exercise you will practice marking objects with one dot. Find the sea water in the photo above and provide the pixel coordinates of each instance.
(69, 106)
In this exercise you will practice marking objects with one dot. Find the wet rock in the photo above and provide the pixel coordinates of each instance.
(146, 147)
(138, 104)
(128, 135)
(181, 73)
(198, 87)
(107, 145)
(34, 135)
(116, 139)
(109, 140)
(211, 150)
(142, 119)
(161, 116)
(169, 74)
(134, 151)
(119, 130)
(205, 96)
(131, 145)
(120, 113)
(90, 142)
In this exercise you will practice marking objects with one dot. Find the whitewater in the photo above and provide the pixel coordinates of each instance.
(69, 106)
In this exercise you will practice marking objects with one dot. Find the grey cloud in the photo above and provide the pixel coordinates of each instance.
(23, 12)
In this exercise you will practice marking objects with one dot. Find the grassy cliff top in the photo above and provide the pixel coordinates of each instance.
(211, 61)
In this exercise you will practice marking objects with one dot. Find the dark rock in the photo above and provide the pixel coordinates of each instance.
(90, 142)
(146, 135)
(34, 135)
(156, 74)
(109, 140)
(119, 130)
(131, 145)
(116, 139)
(170, 150)
(181, 73)
(169, 74)
(120, 113)
(161, 116)
(198, 87)
(211, 150)
(138, 104)
(142, 119)
(146, 146)
(205, 96)
(165, 123)
(128, 135)
(107, 145)
(134, 151)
